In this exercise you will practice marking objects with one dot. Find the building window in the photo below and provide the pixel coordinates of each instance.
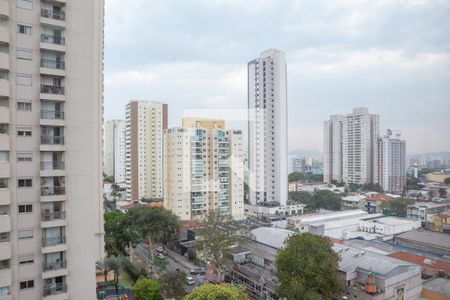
(25, 233)
(24, 105)
(24, 79)
(28, 284)
(4, 156)
(26, 259)
(24, 131)
(26, 4)
(5, 264)
(24, 157)
(4, 291)
(24, 182)
(24, 29)
(25, 208)
(24, 53)
(4, 237)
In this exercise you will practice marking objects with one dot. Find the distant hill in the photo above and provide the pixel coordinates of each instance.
(445, 154)
(307, 153)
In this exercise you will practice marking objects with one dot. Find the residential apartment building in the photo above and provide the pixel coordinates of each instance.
(114, 149)
(350, 147)
(267, 128)
(51, 95)
(392, 162)
(203, 169)
(145, 122)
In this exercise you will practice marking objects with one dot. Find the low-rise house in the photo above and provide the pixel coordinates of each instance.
(388, 226)
(372, 203)
(431, 266)
(422, 211)
(439, 222)
(353, 202)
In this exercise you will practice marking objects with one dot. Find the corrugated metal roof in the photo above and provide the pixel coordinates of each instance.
(427, 237)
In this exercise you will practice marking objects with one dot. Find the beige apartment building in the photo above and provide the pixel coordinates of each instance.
(51, 225)
(144, 125)
(203, 169)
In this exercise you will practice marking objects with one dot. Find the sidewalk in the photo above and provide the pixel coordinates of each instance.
(180, 259)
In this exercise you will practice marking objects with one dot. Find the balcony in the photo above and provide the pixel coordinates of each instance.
(54, 289)
(4, 87)
(52, 143)
(52, 168)
(51, 266)
(4, 142)
(53, 43)
(53, 193)
(53, 241)
(53, 67)
(52, 92)
(5, 250)
(4, 8)
(52, 118)
(53, 219)
(5, 223)
(5, 196)
(5, 278)
(53, 18)
(4, 34)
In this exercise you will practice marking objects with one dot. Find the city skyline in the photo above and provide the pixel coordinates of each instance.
(359, 59)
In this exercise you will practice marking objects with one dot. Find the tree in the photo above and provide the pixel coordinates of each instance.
(217, 292)
(115, 188)
(216, 235)
(397, 207)
(118, 233)
(327, 200)
(160, 263)
(109, 179)
(447, 180)
(116, 264)
(173, 285)
(307, 268)
(147, 289)
(302, 197)
(296, 176)
(442, 193)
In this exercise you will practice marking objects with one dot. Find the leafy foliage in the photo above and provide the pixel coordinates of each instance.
(109, 179)
(173, 285)
(303, 197)
(216, 236)
(442, 193)
(397, 207)
(147, 289)
(297, 176)
(447, 180)
(118, 234)
(307, 268)
(217, 292)
(327, 200)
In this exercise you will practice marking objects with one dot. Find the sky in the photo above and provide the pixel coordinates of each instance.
(390, 56)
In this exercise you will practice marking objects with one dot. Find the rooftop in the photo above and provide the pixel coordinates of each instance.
(379, 197)
(438, 285)
(427, 237)
(393, 221)
(429, 204)
(270, 236)
(424, 261)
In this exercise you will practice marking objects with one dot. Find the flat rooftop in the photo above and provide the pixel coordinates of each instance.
(438, 285)
(431, 238)
(393, 221)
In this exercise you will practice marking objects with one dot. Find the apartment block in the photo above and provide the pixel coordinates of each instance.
(392, 162)
(51, 96)
(114, 149)
(144, 125)
(351, 147)
(203, 169)
(267, 128)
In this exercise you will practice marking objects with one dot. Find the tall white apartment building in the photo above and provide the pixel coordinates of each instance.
(350, 147)
(145, 122)
(203, 169)
(51, 74)
(267, 128)
(392, 162)
(114, 149)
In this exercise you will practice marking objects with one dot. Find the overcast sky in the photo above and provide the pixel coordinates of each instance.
(390, 56)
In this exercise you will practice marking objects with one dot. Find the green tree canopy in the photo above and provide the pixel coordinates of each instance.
(296, 176)
(307, 268)
(397, 207)
(173, 285)
(327, 200)
(447, 180)
(147, 289)
(302, 197)
(217, 292)
(118, 234)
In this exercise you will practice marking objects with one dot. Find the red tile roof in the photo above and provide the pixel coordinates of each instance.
(426, 262)
(151, 204)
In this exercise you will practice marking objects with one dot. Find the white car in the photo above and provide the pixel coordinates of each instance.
(190, 280)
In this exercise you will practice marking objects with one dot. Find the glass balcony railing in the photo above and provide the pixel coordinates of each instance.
(52, 115)
(52, 64)
(53, 241)
(51, 39)
(52, 89)
(53, 190)
(52, 165)
(52, 140)
(54, 265)
(51, 14)
(54, 289)
(52, 216)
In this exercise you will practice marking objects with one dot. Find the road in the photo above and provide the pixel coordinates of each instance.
(142, 252)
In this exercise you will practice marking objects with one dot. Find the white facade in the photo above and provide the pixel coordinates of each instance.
(114, 149)
(203, 170)
(388, 226)
(267, 133)
(145, 122)
(351, 147)
(392, 163)
(51, 96)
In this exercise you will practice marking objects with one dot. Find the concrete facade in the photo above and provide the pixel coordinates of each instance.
(392, 163)
(51, 96)
(114, 149)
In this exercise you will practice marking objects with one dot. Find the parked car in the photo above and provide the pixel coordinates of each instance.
(190, 280)
(161, 250)
(160, 255)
